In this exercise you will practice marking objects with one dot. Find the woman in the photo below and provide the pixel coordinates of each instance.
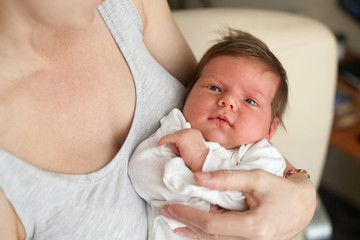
(76, 97)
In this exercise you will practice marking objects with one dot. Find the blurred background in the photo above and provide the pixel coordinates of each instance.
(340, 184)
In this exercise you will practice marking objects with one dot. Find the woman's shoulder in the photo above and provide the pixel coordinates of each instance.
(161, 32)
(145, 8)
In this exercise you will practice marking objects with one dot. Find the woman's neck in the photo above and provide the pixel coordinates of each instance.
(27, 46)
(21, 35)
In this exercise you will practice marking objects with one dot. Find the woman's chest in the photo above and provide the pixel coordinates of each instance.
(72, 116)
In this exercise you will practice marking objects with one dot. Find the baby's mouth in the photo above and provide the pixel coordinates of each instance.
(219, 119)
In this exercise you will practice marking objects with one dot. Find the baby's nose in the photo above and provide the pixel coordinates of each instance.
(228, 101)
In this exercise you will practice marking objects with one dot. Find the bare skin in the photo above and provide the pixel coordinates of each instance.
(257, 223)
(39, 69)
(71, 108)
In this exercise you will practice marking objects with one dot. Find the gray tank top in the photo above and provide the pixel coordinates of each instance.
(103, 204)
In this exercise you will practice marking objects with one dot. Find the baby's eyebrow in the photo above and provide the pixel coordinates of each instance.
(213, 77)
(259, 97)
(253, 91)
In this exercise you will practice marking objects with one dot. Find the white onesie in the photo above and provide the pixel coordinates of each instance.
(161, 177)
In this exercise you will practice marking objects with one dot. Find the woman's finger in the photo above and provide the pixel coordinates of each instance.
(185, 231)
(224, 224)
(267, 196)
(198, 234)
(236, 180)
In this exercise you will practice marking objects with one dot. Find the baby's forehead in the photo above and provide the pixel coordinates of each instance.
(261, 65)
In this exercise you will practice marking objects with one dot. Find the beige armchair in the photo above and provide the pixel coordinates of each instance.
(307, 49)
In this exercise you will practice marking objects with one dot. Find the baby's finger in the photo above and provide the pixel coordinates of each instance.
(170, 138)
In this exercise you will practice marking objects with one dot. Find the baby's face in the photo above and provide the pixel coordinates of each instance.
(231, 101)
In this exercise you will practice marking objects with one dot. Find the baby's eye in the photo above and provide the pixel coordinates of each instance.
(251, 102)
(214, 88)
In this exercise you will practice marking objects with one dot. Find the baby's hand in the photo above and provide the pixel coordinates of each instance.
(189, 144)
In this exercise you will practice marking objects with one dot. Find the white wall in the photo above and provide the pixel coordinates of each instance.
(326, 11)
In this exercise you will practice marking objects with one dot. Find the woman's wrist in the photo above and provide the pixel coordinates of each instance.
(294, 171)
(306, 194)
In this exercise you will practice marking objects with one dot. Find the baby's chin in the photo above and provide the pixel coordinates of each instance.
(221, 139)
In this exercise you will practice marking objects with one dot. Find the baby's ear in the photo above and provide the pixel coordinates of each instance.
(273, 126)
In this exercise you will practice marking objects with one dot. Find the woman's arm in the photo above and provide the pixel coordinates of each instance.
(279, 208)
(8, 221)
(164, 40)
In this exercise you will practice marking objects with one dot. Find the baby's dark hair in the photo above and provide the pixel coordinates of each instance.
(241, 44)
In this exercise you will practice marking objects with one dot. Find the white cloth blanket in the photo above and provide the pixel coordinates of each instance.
(161, 177)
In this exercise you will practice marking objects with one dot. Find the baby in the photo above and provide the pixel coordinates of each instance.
(232, 110)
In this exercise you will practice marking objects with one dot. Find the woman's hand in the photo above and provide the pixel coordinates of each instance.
(279, 208)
